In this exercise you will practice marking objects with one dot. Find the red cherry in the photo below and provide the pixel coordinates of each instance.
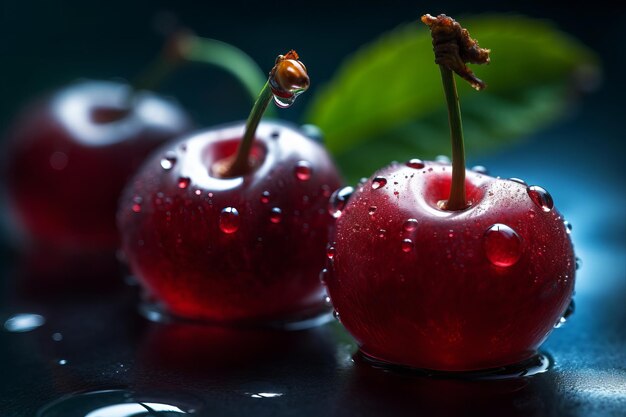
(441, 268)
(71, 154)
(243, 248)
(449, 290)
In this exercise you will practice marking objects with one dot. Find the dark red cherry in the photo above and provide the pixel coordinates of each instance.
(70, 155)
(244, 248)
(449, 290)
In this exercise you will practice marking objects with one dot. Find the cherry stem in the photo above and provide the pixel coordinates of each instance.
(241, 163)
(458, 198)
(229, 58)
(188, 48)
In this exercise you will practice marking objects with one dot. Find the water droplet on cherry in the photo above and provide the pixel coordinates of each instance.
(229, 220)
(568, 227)
(265, 197)
(303, 170)
(378, 182)
(276, 215)
(371, 210)
(407, 245)
(415, 163)
(323, 275)
(479, 169)
(518, 180)
(330, 252)
(541, 198)
(571, 307)
(168, 161)
(442, 159)
(313, 132)
(410, 225)
(58, 160)
(503, 246)
(338, 201)
(183, 182)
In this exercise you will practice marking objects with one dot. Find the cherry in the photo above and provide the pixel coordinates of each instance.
(230, 225)
(71, 154)
(433, 266)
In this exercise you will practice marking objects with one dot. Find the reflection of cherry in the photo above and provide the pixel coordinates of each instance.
(436, 267)
(230, 224)
(70, 155)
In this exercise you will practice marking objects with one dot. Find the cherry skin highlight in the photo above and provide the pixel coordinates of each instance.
(245, 248)
(425, 287)
(70, 155)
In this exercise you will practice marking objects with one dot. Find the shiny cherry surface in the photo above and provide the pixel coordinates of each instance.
(241, 249)
(70, 155)
(424, 287)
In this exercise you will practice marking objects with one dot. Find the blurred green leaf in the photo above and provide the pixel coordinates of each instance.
(386, 101)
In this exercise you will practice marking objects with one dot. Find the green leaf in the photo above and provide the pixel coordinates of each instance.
(386, 101)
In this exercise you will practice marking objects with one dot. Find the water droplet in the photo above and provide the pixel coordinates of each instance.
(479, 169)
(568, 227)
(58, 160)
(276, 215)
(275, 134)
(518, 180)
(336, 315)
(579, 263)
(503, 246)
(338, 201)
(415, 163)
(284, 102)
(57, 337)
(443, 159)
(198, 192)
(265, 197)
(63, 362)
(20, 323)
(137, 204)
(381, 233)
(410, 225)
(326, 192)
(229, 220)
(378, 182)
(313, 132)
(371, 210)
(303, 170)
(330, 251)
(168, 161)
(541, 198)
(118, 403)
(571, 307)
(407, 245)
(183, 182)
(323, 275)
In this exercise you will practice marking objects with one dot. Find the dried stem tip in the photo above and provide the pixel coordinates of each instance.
(454, 47)
(289, 77)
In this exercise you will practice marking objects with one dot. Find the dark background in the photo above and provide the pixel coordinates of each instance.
(580, 160)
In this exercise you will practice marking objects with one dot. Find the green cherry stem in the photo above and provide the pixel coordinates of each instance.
(241, 163)
(457, 199)
(184, 47)
(453, 48)
(229, 58)
(287, 79)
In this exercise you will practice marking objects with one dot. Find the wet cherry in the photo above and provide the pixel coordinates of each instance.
(471, 272)
(70, 155)
(245, 239)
